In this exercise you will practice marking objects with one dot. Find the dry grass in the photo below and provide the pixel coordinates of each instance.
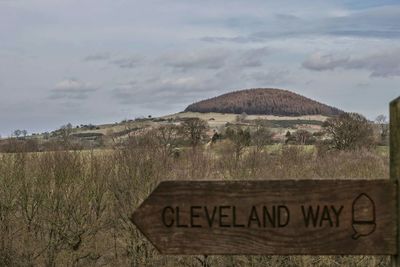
(72, 208)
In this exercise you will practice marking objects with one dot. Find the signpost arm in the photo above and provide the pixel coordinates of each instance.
(395, 164)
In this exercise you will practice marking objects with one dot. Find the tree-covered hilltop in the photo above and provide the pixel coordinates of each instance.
(266, 101)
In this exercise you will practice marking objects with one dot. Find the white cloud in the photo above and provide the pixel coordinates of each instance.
(127, 62)
(97, 57)
(319, 62)
(253, 57)
(72, 89)
(270, 77)
(381, 64)
(159, 45)
(203, 59)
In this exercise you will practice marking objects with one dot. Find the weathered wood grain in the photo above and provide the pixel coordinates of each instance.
(395, 162)
(395, 139)
(238, 231)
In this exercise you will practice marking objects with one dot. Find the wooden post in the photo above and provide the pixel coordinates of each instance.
(395, 164)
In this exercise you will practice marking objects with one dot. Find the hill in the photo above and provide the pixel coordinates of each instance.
(263, 101)
(282, 110)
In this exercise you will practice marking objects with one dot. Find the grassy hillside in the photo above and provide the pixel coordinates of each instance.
(108, 135)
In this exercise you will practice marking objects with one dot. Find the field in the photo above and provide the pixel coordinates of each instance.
(65, 208)
(278, 123)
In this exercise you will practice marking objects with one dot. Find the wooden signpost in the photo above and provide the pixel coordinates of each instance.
(277, 217)
(395, 166)
(271, 217)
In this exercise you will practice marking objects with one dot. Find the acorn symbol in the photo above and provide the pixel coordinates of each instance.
(363, 212)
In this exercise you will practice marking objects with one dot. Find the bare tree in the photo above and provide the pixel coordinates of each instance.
(66, 131)
(240, 139)
(262, 135)
(194, 129)
(301, 137)
(167, 138)
(350, 131)
(382, 122)
(46, 135)
(17, 133)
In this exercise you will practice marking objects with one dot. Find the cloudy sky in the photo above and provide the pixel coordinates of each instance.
(99, 61)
